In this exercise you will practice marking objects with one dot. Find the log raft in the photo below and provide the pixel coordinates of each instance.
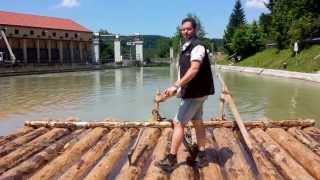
(287, 149)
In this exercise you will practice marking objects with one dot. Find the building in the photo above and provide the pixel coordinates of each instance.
(45, 40)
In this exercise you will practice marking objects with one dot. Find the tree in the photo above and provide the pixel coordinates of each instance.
(236, 20)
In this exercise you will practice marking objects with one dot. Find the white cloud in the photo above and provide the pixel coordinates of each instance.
(69, 3)
(256, 4)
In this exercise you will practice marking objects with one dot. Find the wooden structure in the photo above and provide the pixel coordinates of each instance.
(288, 149)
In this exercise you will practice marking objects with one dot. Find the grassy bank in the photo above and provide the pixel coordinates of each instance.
(307, 60)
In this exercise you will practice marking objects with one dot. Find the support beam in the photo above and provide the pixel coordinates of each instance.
(80, 51)
(117, 50)
(71, 52)
(25, 52)
(61, 51)
(38, 50)
(49, 50)
(12, 56)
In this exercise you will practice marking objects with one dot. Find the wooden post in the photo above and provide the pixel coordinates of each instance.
(59, 164)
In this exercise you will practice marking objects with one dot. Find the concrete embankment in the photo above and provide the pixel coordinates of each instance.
(272, 72)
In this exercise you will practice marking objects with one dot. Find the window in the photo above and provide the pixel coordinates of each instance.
(16, 31)
(31, 32)
(76, 35)
(54, 34)
(43, 33)
(66, 35)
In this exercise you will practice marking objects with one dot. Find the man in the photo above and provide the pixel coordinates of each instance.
(195, 84)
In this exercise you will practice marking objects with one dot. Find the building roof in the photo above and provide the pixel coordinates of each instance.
(28, 20)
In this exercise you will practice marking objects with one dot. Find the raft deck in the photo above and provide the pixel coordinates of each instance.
(87, 150)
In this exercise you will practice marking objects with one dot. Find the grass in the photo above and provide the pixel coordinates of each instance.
(274, 59)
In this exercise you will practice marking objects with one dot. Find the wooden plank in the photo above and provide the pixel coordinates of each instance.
(285, 164)
(140, 155)
(59, 164)
(12, 145)
(104, 167)
(31, 148)
(32, 164)
(90, 158)
(230, 155)
(20, 132)
(213, 171)
(306, 139)
(159, 153)
(167, 124)
(302, 154)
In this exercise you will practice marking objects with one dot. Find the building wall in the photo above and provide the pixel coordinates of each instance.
(46, 39)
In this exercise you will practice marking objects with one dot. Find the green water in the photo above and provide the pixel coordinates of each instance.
(127, 94)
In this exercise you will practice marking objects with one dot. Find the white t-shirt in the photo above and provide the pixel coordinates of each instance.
(197, 53)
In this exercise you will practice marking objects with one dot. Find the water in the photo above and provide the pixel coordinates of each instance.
(127, 94)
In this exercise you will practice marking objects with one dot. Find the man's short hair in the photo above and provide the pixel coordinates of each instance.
(191, 20)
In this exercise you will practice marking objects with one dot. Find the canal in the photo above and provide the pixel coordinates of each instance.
(127, 94)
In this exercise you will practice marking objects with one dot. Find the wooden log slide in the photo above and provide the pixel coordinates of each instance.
(284, 163)
(141, 155)
(167, 124)
(23, 170)
(22, 153)
(102, 170)
(58, 165)
(301, 153)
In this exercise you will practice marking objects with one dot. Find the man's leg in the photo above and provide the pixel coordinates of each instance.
(200, 134)
(177, 137)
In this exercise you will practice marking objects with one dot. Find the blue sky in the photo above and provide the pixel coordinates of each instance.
(153, 17)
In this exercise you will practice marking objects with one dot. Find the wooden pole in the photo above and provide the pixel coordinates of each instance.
(89, 159)
(29, 149)
(167, 124)
(309, 160)
(58, 165)
(285, 164)
(102, 170)
(20, 132)
(32, 164)
(159, 153)
(231, 156)
(305, 139)
(12, 145)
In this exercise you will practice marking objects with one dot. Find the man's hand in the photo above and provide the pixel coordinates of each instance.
(170, 91)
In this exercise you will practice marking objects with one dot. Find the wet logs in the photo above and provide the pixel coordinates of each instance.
(231, 156)
(302, 154)
(213, 171)
(313, 132)
(159, 153)
(32, 164)
(24, 152)
(58, 165)
(10, 146)
(80, 168)
(141, 154)
(305, 139)
(106, 164)
(287, 166)
(20, 132)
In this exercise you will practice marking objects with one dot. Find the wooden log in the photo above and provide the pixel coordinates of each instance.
(159, 153)
(183, 170)
(12, 145)
(23, 170)
(20, 132)
(167, 124)
(313, 132)
(231, 156)
(302, 154)
(29, 149)
(287, 166)
(306, 139)
(59, 164)
(102, 170)
(140, 155)
(89, 159)
(213, 171)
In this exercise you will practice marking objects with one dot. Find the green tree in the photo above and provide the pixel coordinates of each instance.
(236, 20)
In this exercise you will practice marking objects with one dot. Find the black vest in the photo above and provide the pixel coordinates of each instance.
(202, 84)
